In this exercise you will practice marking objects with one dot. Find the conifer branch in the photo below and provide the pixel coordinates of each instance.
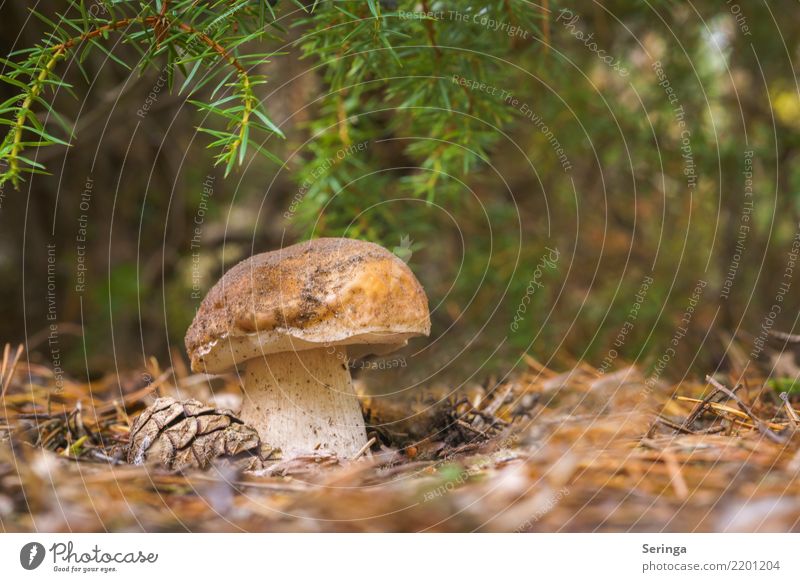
(40, 63)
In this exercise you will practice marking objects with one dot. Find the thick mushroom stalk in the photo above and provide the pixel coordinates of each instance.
(303, 401)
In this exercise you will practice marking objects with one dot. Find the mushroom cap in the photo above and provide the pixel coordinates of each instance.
(320, 293)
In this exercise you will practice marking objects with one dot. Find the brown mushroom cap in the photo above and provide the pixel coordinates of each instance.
(324, 292)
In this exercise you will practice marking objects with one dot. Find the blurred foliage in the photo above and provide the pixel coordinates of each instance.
(483, 134)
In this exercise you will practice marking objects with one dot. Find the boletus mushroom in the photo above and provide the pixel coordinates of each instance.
(292, 319)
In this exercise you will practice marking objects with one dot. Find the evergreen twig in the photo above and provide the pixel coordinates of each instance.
(168, 28)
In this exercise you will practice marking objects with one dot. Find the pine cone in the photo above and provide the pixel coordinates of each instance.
(182, 434)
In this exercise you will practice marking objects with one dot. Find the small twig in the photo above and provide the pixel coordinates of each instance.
(791, 414)
(713, 429)
(739, 416)
(762, 427)
(789, 338)
(699, 408)
(675, 426)
(73, 450)
(8, 369)
(444, 453)
(498, 402)
(431, 32)
(365, 448)
(105, 458)
(469, 427)
(6, 352)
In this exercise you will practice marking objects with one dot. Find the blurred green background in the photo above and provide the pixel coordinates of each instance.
(561, 177)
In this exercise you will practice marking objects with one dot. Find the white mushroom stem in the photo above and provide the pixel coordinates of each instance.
(304, 401)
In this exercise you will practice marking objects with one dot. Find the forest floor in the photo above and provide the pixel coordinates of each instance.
(546, 451)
